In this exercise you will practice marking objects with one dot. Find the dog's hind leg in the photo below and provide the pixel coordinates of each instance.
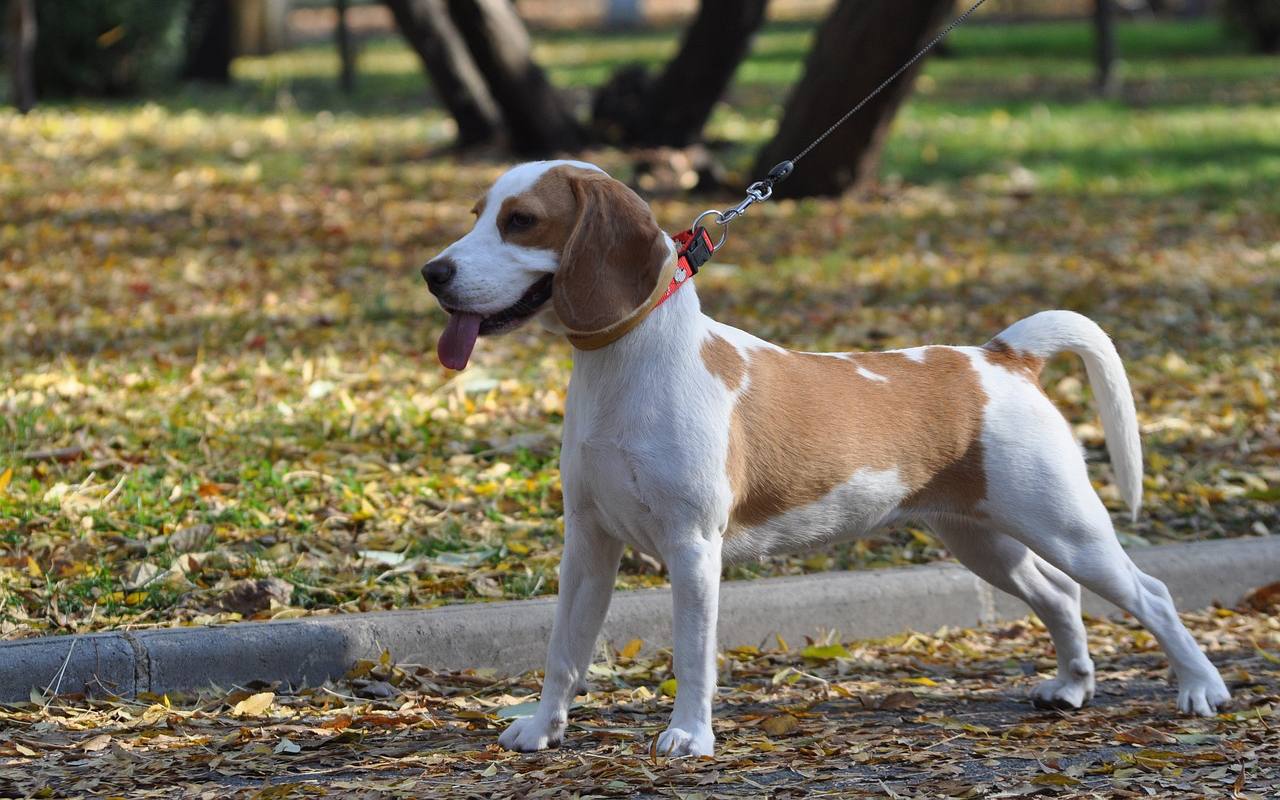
(1046, 502)
(1010, 566)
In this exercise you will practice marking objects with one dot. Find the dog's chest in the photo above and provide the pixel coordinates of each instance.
(646, 462)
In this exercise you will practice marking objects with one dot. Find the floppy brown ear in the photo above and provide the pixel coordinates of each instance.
(612, 260)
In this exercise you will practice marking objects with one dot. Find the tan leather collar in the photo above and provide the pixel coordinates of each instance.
(594, 340)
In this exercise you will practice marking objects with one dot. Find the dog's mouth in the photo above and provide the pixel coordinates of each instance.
(459, 337)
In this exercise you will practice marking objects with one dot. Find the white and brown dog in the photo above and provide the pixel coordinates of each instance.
(699, 444)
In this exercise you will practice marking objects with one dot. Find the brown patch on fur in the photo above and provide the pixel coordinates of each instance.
(999, 352)
(806, 423)
(553, 205)
(724, 361)
(478, 208)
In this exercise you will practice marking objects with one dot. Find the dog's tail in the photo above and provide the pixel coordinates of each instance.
(1051, 332)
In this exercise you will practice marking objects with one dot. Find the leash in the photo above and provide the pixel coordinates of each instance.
(694, 245)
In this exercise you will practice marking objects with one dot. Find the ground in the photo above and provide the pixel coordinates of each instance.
(917, 715)
(216, 352)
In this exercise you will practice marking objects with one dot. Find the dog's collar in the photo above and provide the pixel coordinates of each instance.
(693, 249)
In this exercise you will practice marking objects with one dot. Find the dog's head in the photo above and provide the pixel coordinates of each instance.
(557, 232)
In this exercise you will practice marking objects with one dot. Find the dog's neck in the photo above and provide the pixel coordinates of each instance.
(667, 339)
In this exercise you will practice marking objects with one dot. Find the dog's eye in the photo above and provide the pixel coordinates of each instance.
(519, 221)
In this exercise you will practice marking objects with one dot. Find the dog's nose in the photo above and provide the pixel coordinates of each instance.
(438, 273)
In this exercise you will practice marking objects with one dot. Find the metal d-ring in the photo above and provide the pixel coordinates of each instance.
(721, 220)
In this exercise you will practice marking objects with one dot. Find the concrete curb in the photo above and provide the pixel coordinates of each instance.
(512, 636)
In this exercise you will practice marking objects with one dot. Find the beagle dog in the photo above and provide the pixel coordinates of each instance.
(700, 444)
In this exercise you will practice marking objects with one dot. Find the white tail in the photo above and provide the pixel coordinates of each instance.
(1051, 332)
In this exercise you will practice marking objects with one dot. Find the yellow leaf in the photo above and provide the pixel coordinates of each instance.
(782, 643)
(33, 569)
(5, 477)
(254, 705)
(780, 724)
(921, 681)
(825, 652)
(668, 687)
(632, 648)
(1054, 779)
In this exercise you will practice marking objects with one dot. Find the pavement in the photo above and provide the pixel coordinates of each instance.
(510, 637)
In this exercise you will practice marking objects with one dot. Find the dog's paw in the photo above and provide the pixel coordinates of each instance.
(1070, 690)
(1203, 695)
(532, 733)
(692, 740)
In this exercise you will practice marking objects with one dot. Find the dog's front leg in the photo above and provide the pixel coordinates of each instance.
(587, 572)
(695, 587)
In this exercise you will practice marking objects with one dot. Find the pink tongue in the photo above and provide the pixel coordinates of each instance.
(458, 339)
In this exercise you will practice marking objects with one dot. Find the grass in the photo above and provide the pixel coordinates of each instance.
(210, 312)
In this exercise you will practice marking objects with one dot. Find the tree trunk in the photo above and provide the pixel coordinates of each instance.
(621, 14)
(208, 34)
(539, 120)
(346, 48)
(673, 109)
(21, 50)
(861, 43)
(1104, 49)
(427, 28)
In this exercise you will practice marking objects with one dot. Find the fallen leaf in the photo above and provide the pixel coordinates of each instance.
(780, 724)
(99, 742)
(825, 652)
(254, 705)
(249, 596)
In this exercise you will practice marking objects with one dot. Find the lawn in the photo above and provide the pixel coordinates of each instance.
(217, 357)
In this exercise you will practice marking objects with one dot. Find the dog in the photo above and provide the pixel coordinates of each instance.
(700, 444)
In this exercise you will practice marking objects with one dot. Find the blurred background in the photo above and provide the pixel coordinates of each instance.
(219, 397)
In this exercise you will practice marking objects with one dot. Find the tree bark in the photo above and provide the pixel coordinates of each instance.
(1104, 48)
(346, 48)
(427, 28)
(861, 43)
(209, 29)
(539, 121)
(623, 14)
(674, 109)
(21, 50)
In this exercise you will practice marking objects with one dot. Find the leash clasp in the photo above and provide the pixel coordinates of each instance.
(757, 192)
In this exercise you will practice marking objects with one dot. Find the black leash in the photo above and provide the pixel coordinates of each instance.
(762, 189)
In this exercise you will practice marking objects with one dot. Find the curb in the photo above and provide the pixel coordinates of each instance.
(512, 636)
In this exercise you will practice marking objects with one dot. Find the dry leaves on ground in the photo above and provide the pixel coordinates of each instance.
(916, 715)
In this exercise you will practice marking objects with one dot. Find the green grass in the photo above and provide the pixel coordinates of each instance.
(1195, 113)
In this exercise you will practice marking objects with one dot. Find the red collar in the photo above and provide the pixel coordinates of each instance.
(694, 248)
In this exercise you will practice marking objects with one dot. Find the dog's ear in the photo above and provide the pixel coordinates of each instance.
(612, 261)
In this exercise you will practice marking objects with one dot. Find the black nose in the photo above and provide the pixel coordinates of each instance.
(438, 273)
